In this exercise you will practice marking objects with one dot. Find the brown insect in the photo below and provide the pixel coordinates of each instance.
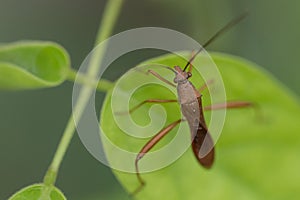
(190, 102)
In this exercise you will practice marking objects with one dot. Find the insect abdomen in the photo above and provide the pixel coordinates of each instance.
(203, 147)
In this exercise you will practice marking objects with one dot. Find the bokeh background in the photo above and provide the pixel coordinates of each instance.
(31, 122)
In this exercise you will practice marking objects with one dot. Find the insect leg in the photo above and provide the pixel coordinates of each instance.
(144, 102)
(233, 104)
(147, 147)
(238, 104)
(160, 77)
(152, 101)
(204, 86)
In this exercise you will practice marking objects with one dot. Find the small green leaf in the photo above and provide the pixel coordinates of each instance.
(256, 158)
(33, 192)
(32, 64)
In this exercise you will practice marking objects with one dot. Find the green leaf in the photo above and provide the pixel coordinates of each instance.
(32, 64)
(33, 192)
(256, 158)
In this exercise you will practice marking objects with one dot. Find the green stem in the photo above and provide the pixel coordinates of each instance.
(110, 15)
(103, 85)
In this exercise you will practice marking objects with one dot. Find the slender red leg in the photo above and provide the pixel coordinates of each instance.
(152, 101)
(204, 86)
(147, 101)
(160, 77)
(147, 147)
(238, 104)
(233, 104)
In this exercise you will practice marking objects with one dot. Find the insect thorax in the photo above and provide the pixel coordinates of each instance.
(186, 93)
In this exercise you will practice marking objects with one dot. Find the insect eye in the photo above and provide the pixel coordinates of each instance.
(189, 74)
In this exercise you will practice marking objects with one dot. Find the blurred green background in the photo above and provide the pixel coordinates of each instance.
(31, 122)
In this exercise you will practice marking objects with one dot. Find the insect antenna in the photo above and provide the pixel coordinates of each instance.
(227, 27)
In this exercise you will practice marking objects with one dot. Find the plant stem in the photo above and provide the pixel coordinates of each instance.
(103, 85)
(110, 15)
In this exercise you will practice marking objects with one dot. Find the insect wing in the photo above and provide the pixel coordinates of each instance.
(203, 147)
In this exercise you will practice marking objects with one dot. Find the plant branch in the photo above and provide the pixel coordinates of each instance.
(110, 15)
